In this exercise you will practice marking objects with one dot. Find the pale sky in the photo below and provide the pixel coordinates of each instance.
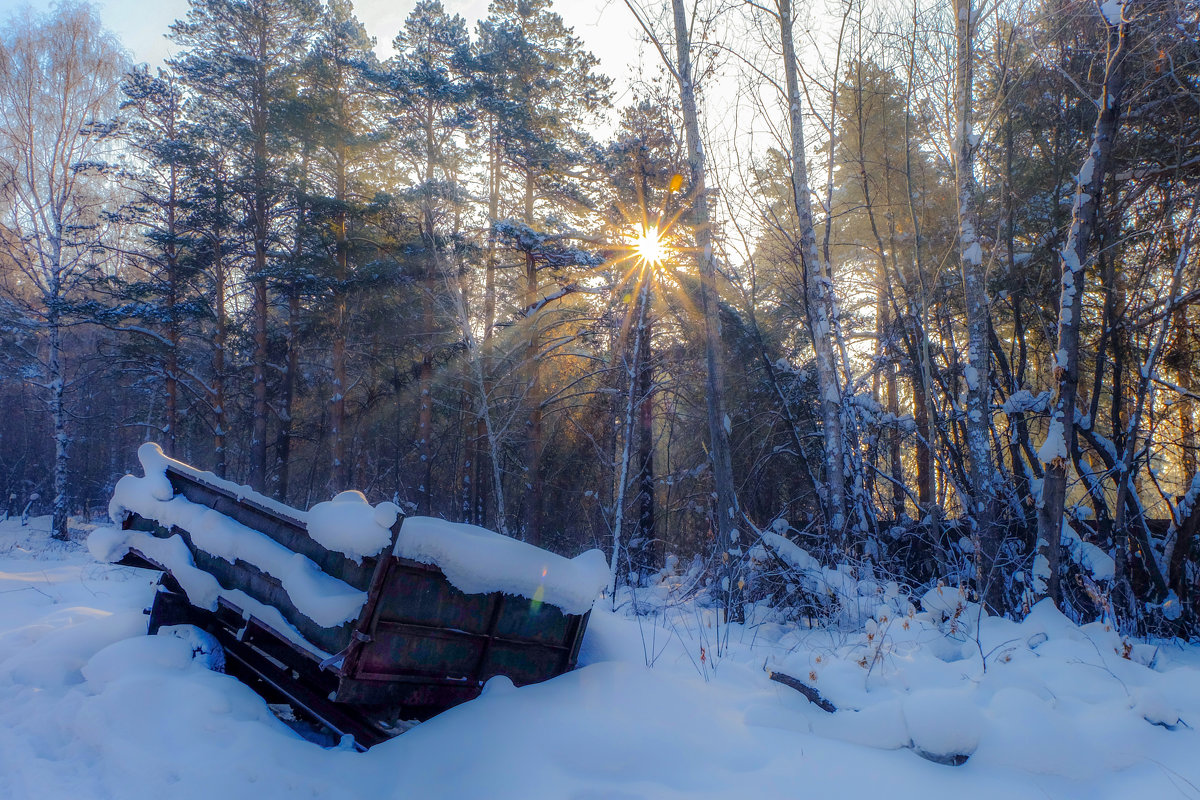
(605, 26)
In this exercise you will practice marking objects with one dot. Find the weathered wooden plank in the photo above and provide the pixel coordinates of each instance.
(262, 587)
(289, 532)
(419, 644)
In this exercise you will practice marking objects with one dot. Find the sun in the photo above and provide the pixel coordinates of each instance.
(650, 246)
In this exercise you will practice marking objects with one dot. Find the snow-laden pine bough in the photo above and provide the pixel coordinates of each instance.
(355, 614)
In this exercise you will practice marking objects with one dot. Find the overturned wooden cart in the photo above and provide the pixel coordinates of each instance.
(420, 641)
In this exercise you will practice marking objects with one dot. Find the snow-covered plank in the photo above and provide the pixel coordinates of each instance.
(478, 561)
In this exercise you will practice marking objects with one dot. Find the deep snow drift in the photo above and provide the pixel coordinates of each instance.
(92, 708)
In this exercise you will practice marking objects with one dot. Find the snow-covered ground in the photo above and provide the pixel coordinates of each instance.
(92, 708)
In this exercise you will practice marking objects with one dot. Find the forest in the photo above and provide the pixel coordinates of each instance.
(893, 290)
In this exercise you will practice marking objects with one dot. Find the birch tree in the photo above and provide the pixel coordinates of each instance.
(1074, 260)
(978, 423)
(59, 85)
(726, 511)
(819, 298)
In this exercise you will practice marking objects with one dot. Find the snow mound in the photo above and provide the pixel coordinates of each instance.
(90, 707)
(349, 525)
(943, 724)
(479, 561)
(206, 650)
(154, 463)
(324, 599)
(201, 588)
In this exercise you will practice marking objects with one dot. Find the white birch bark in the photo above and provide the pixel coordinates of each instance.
(627, 425)
(727, 511)
(978, 422)
(1073, 259)
(819, 296)
(59, 75)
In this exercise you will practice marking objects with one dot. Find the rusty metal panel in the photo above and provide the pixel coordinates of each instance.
(419, 644)
(521, 662)
(408, 650)
(423, 596)
(533, 621)
(420, 699)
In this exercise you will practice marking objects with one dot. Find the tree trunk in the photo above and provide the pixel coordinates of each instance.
(340, 472)
(1073, 260)
(726, 511)
(283, 450)
(978, 423)
(484, 448)
(173, 331)
(428, 284)
(533, 395)
(261, 231)
(818, 297)
(647, 557)
(220, 337)
(925, 495)
(628, 433)
(58, 413)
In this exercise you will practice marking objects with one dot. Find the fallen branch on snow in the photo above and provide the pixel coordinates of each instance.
(812, 694)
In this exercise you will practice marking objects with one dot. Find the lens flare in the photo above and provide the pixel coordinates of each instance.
(650, 246)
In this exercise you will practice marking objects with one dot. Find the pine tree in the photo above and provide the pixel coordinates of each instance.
(339, 117)
(154, 297)
(540, 91)
(431, 85)
(238, 57)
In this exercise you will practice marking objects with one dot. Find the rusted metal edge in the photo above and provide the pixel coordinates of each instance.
(336, 717)
(196, 476)
(436, 632)
(576, 638)
(364, 627)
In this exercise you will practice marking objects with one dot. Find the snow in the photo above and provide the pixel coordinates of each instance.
(1114, 13)
(152, 459)
(349, 525)
(324, 599)
(478, 561)
(1089, 165)
(973, 254)
(665, 705)
(1023, 401)
(972, 376)
(794, 555)
(1092, 558)
(202, 589)
(1055, 446)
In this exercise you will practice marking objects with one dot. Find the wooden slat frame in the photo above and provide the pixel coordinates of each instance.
(302, 676)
